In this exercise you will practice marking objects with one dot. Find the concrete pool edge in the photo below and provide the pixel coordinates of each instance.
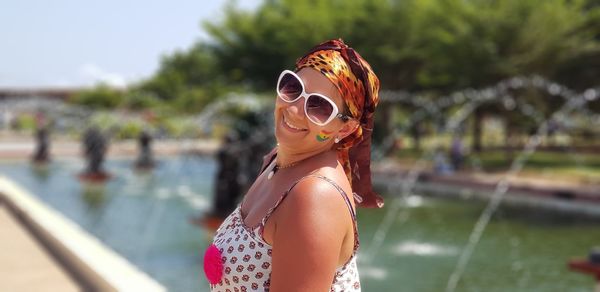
(514, 197)
(94, 265)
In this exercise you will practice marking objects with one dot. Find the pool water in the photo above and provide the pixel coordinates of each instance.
(144, 217)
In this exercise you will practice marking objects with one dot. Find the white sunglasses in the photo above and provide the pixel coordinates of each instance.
(319, 108)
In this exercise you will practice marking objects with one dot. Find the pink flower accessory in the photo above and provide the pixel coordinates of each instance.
(213, 266)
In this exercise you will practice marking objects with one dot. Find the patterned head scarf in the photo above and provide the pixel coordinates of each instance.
(359, 87)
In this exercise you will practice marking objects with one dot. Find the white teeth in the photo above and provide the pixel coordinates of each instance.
(288, 124)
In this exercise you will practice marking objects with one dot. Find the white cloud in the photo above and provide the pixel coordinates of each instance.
(62, 83)
(93, 74)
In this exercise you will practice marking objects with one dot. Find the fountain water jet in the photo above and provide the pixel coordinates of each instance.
(475, 99)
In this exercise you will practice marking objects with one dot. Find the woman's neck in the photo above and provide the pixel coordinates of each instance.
(287, 156)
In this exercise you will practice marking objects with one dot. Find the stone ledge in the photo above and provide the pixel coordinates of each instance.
(97, 267)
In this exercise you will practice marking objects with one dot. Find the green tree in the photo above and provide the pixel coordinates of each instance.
(429, 47)
(100, 96)
(253, 47)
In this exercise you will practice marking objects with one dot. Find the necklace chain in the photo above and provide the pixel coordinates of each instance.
(277, 167)
(285, 166)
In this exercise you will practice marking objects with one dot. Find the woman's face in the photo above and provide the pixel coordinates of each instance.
(305, 135)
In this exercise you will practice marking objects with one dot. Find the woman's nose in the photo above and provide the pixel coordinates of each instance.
(295, 108)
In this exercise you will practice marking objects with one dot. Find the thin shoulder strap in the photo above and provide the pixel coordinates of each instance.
(340, 190)
(270, 211)
(352, 213)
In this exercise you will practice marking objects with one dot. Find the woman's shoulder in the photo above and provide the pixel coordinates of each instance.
(323, 191)
(332, 177)
(312, 206)
(309, 228)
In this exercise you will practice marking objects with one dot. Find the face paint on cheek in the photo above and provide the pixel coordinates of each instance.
(323, 136)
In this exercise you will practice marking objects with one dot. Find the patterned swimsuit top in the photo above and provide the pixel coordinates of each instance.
(246, 256)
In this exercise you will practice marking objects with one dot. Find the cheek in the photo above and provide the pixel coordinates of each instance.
(280, 106)
(323, 134)
(279, 103)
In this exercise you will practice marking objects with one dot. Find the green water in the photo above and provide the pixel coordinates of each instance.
(144, 217)
(522, 249)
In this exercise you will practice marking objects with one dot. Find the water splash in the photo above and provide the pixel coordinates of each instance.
(472, 99)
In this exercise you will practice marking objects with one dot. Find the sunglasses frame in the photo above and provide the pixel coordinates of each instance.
(334, 114)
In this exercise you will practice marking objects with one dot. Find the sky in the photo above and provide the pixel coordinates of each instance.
(68, 43)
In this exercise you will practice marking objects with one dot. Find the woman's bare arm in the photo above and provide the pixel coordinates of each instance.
(309, 231)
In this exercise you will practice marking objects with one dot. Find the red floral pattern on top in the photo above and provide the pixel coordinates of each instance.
(247, 257)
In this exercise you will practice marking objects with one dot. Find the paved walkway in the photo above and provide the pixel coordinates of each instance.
(25, 265)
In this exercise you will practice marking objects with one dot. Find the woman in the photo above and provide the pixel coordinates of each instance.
(295, 230)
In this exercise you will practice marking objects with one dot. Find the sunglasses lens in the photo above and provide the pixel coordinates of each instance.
(318, 108)
(289, 87)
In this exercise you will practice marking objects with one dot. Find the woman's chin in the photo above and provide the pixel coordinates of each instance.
(284, 138)
(287, 139)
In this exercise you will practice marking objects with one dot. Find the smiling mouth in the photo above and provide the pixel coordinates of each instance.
(292, 126)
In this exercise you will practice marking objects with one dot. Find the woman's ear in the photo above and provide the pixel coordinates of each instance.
(348, 128)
